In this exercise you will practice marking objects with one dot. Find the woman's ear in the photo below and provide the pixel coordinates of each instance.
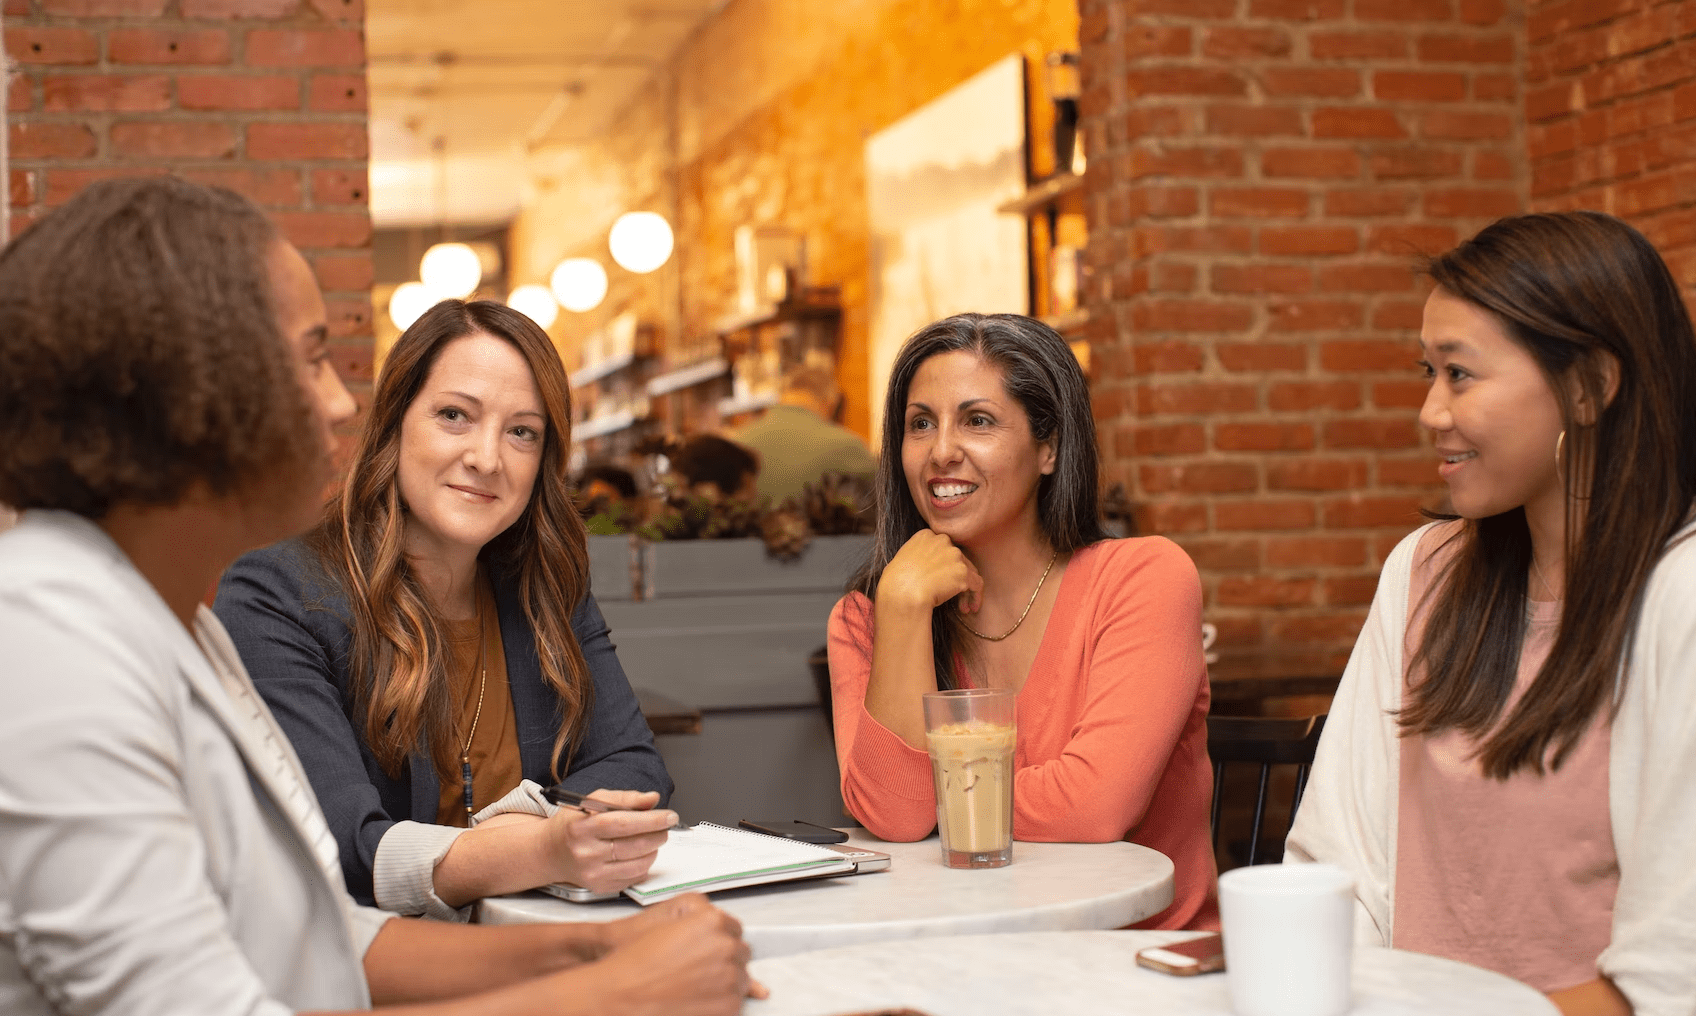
(1603, 367)
(1047, 456)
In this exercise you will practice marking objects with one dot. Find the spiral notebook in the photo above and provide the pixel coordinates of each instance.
(706, 858)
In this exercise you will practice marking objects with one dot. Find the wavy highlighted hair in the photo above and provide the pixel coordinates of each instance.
(398, 660)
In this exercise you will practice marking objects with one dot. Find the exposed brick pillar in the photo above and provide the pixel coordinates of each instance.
(1611, 110)
(1263, 173)
(266, 97)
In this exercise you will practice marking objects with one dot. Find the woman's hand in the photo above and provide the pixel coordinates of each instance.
(608, 851)
(510, 853)
(684, 956)
(928, 571)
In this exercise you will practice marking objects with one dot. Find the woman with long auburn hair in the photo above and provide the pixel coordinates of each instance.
(991, 569)
(432, 648)
(1506, 770)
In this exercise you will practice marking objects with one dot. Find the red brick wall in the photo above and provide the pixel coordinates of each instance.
(1267, 171)
(264, 96)
(1610, 106)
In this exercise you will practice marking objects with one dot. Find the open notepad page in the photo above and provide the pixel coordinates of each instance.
(707, 858)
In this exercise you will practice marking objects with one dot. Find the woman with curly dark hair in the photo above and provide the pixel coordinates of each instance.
(166, 403)
(432, 648)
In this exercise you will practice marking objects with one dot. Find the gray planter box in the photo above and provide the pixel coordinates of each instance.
(723, 652)
(713, 567)
(610, 559)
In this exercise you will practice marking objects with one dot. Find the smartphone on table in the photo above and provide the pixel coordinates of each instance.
(793, 829)
(1201, 955)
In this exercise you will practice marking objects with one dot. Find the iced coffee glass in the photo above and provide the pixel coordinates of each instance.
(970, 734)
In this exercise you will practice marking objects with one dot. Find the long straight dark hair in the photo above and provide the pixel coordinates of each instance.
(398, 667)
(1040, 371)
(1573, 289)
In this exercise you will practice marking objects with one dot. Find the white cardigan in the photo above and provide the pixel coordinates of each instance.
(1348, 815)
(160, 849)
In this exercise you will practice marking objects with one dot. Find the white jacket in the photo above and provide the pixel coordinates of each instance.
(1348, 815)
(160, 849)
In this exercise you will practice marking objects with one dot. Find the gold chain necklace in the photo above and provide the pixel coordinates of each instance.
(482, 686)
(1028, 606)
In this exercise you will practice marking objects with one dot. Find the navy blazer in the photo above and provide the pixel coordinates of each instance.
(291, 624)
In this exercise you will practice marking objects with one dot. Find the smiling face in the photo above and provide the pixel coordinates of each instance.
(470, 447)
(971, 464)
(1494, 416)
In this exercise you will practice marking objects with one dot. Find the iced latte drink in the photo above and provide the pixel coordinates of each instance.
(971, 736)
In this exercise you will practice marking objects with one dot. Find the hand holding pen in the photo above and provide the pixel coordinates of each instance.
(595, 805)
(607, 842)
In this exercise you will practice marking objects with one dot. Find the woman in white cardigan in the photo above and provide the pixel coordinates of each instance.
(166, 403)
(1506, 767)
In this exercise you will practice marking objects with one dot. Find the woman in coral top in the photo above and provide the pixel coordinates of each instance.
(991, 570)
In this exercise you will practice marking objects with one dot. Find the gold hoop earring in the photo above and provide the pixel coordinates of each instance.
(1560, 445)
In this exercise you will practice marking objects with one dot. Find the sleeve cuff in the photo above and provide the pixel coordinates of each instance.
(363, 923)
(404, 876)
(524, 799)
(893, 766)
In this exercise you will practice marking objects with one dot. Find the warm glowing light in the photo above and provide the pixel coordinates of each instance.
(640, 241)
(409, 302)
(451, 270)
(580, 284)
(535, 303)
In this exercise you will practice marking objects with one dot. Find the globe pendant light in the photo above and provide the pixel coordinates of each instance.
(409, 302)
(451, 270)
(580, 284)
(640, 241)
(535, 303)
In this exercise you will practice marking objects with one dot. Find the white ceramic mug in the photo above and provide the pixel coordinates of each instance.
(1289, 937)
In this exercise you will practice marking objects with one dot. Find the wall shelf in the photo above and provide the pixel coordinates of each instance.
(585, 376)
(1042, 194)
(685, 377)
(731, 407)
(601, 426)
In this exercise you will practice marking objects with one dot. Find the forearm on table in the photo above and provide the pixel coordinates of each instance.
(1102, 784)
(428, 961)
(887, 784)
(496, 857)
(902, 670)
(1046, 813)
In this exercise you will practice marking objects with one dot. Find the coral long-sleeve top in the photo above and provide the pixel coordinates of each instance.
(1112, 740)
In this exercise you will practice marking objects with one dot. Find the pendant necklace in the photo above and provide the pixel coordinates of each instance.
(1028, 606)
(482, 686)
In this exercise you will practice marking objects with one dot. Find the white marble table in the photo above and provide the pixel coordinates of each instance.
(1086, 972)
(1048, 887)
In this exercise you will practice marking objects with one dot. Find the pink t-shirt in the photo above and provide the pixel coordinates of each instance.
(1517, 876)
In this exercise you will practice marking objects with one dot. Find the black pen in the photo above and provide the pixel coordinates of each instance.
(593, 805)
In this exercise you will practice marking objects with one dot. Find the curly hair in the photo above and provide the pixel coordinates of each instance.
(139, 352)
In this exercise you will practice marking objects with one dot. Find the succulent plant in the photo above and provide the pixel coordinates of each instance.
(785, 532)
(838, 505)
